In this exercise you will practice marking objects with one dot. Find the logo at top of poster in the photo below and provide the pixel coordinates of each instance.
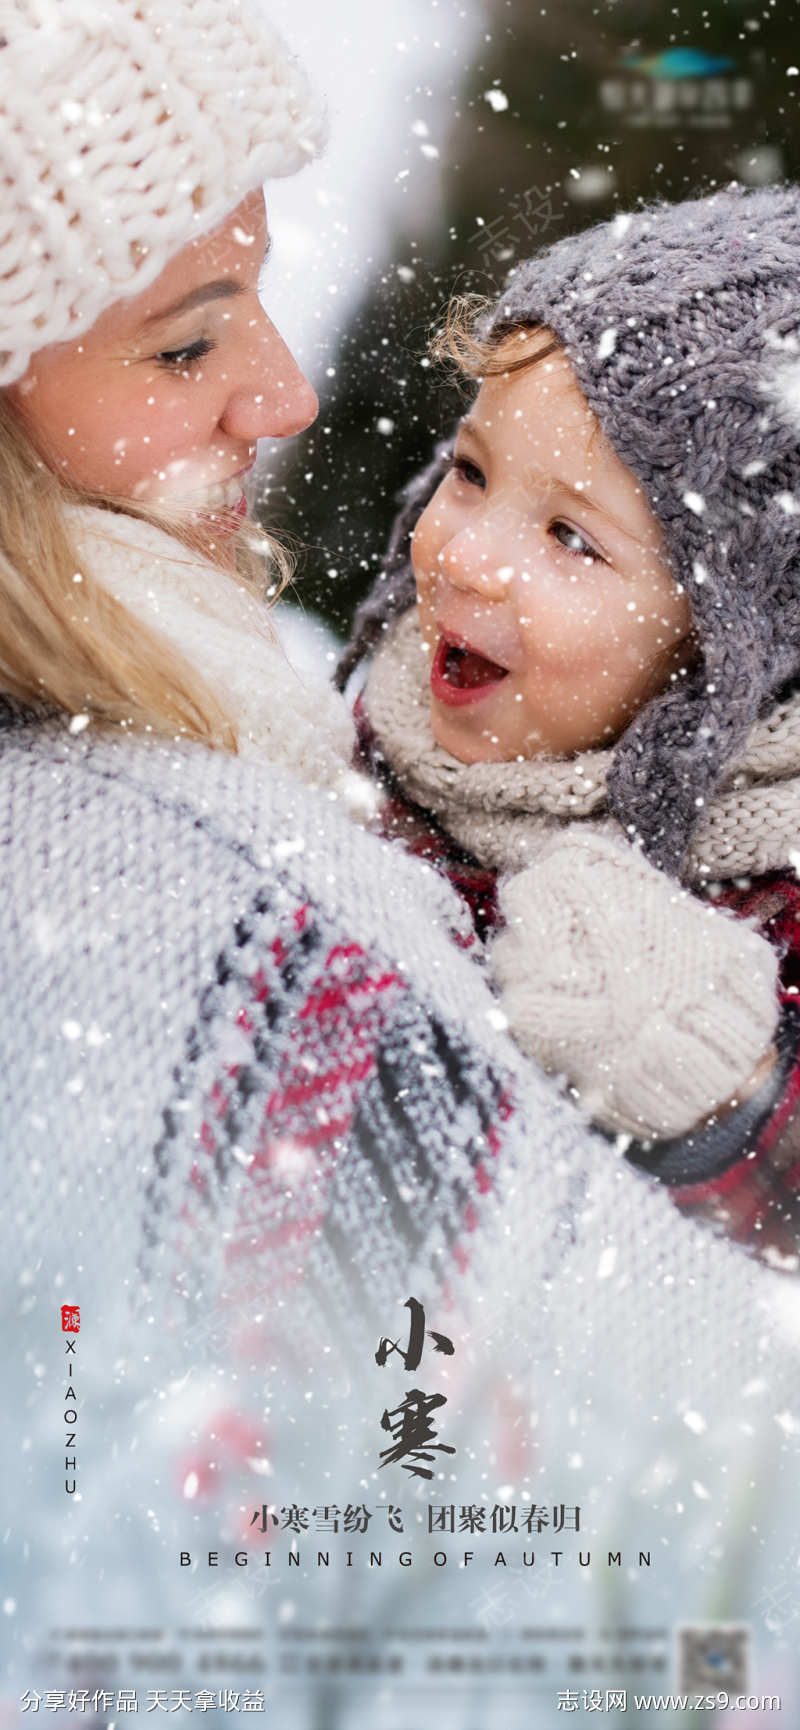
(70, 1319)
(677, 87)
(679, 63)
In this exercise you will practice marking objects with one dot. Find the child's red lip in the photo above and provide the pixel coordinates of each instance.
(461, 674)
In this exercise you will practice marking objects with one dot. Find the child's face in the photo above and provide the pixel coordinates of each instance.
(546, 602)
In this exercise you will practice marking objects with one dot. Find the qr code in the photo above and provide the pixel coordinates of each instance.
(713, 1658)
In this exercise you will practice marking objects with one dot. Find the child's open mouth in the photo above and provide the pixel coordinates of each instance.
(462, 675)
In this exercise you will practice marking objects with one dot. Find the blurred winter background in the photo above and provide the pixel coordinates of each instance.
(465, 134)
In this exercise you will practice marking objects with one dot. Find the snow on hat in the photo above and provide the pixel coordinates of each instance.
(682, 324)
(128, 127)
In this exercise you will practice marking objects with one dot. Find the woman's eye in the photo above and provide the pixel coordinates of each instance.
(468, 472)
(573, 542)
(182, 359)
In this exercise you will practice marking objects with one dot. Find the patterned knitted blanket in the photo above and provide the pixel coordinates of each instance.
(245, 1064)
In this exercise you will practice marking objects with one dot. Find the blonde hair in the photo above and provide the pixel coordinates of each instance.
(477, 357)
(71, 643)
(507, 350)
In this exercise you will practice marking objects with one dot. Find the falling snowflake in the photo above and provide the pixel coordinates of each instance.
(607, 343)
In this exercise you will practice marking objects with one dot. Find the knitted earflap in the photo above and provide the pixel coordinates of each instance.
(126, 129)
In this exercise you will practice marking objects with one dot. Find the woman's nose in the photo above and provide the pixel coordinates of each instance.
(272, 398)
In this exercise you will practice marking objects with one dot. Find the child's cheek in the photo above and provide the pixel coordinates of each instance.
(569, 634)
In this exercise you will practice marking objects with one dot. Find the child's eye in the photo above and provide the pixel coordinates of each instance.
(467, 471)
(182, 359)
(573, 542)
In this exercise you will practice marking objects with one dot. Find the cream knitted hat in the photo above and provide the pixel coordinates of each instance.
(127, 127)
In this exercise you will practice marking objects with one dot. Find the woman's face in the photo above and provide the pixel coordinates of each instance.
(165, 397)
(547, 604)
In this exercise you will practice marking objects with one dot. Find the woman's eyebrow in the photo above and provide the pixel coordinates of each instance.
(225, 288)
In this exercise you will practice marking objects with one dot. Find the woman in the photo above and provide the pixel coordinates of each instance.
(236, 1018)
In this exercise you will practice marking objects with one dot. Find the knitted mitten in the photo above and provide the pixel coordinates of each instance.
(655, 1004)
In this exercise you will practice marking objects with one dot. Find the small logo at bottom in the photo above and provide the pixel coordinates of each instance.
(713, 1657)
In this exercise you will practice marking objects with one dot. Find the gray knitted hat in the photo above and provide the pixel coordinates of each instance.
(682, 323)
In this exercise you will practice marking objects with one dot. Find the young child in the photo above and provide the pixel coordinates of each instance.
(592, 698)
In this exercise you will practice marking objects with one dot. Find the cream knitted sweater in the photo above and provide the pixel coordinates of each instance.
(655, 1004)
(226, 632)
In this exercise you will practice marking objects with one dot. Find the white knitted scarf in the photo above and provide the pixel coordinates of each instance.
(226, 632)
(503, 812)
